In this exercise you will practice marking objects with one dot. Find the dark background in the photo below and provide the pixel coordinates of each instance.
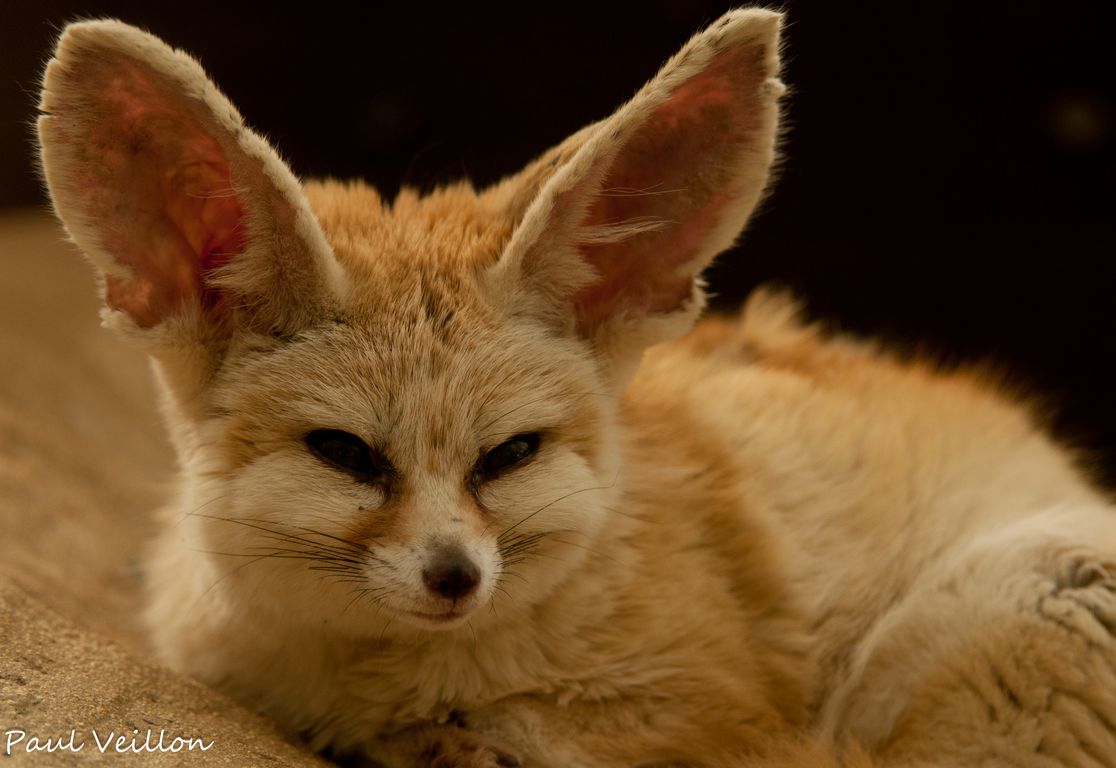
(950, 169)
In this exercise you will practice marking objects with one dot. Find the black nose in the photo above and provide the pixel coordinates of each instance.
(451, 574)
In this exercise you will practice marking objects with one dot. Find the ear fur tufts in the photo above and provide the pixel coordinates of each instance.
(616, 236)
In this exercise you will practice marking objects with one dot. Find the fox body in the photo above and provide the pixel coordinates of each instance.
(459, 486)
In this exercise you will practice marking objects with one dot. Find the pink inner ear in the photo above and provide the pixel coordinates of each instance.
(159, 189)
(681, 168)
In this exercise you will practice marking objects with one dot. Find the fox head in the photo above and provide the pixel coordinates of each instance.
(404, 411)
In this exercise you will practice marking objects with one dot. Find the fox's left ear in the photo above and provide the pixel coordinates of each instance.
(618, 222)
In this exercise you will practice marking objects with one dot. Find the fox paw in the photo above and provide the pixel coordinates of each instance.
(1084, 597)
(1083, 571)
(449, 746)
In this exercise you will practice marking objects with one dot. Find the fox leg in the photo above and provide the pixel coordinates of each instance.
(636, 732)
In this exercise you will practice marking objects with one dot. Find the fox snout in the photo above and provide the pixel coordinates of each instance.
(442, 580)
(451, 574)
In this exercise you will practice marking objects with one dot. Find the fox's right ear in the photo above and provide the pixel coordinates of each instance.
(191, 218)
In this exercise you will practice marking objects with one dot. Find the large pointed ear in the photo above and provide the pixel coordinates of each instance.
(625, 215)
(189, 215)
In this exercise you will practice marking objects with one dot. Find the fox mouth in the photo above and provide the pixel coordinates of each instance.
(438, 619)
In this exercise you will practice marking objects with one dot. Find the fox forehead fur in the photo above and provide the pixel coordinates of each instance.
(706, 550)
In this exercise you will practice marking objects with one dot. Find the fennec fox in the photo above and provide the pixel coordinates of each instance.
(458, 488)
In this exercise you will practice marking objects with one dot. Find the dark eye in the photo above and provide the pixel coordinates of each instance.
(508, 454)
(347, 452)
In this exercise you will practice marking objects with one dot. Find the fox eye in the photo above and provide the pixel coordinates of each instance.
(346, 452)
(508, 454)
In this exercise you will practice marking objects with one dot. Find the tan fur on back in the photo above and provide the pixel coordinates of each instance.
(745, 544)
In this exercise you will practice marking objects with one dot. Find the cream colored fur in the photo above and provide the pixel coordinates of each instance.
(750, 545)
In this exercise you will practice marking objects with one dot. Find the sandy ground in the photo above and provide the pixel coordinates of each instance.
(83, 466)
